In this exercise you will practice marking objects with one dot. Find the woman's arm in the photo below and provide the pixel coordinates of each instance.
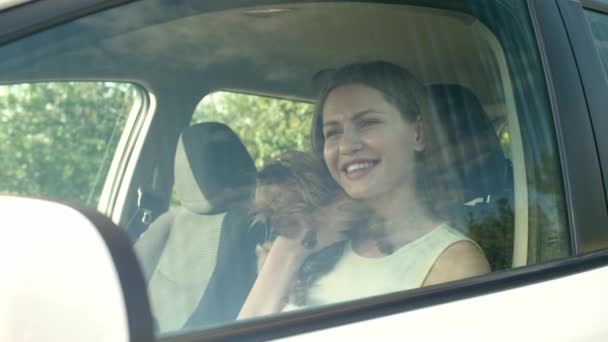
(459, 261)
(282, 263)
(270, 288)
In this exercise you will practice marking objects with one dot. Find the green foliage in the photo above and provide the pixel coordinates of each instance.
(57, 139)
(267, 126)
(494, 234)
(505, 142)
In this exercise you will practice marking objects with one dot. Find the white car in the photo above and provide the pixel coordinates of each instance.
(153, 118)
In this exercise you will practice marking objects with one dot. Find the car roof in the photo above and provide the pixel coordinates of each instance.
(272, 49)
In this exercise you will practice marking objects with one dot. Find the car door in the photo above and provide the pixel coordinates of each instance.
(535, 68)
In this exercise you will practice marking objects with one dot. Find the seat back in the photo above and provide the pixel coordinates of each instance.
(487, 212)
(214, 182)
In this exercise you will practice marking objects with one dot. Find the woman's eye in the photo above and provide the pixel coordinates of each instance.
(331, 133)
(369, 122)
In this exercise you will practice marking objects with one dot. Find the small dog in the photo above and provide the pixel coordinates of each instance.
(296, 189)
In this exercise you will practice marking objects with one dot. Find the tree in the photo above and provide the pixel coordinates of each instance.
(57, 139)
(267, 126)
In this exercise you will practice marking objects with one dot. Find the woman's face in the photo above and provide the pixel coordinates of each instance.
(369, 148)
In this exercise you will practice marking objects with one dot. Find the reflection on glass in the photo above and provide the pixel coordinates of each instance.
(433, 155)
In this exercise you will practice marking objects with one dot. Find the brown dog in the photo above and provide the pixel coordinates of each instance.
(298, 188)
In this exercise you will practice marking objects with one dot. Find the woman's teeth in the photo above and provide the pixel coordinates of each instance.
(358, 166)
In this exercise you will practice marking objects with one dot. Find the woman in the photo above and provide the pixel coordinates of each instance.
(373, 127)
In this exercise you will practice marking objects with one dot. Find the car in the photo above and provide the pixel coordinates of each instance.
(146, 124)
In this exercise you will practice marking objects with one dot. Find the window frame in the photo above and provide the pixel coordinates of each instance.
(594, 90)
(567, 96)
(586, 203)
(114, 194)
(589, 61)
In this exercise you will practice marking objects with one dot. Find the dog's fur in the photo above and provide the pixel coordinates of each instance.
(298, 188)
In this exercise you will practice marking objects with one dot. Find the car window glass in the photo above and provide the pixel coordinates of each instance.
(289, 118)
(248, 114)
(58, 139)
(431, 144)
(598, 22)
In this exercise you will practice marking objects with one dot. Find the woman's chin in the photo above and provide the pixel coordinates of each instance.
(358, 193)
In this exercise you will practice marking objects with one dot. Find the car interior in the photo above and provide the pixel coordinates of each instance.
(178, 52)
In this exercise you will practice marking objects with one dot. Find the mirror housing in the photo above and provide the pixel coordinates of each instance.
(68, 274)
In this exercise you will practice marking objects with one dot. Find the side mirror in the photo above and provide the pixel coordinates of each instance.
(68, 275)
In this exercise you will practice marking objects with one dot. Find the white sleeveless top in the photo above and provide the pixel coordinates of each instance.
(356, 277)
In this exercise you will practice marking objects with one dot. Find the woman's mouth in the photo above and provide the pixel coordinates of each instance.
(358, 168)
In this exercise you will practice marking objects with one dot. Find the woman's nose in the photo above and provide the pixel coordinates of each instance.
(350, 142)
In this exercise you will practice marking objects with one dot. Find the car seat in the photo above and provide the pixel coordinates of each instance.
(486, 175)
(214, 182)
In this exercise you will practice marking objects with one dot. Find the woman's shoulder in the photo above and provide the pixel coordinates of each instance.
(462, 258)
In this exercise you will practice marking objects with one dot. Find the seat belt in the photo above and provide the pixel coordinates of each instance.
(149, 207)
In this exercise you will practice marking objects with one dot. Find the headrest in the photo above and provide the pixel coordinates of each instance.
(480, 161)
(213, 170)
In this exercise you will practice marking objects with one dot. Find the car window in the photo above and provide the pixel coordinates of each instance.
(384, 148)
(290, 121)
(598, 22)
(58, 138)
